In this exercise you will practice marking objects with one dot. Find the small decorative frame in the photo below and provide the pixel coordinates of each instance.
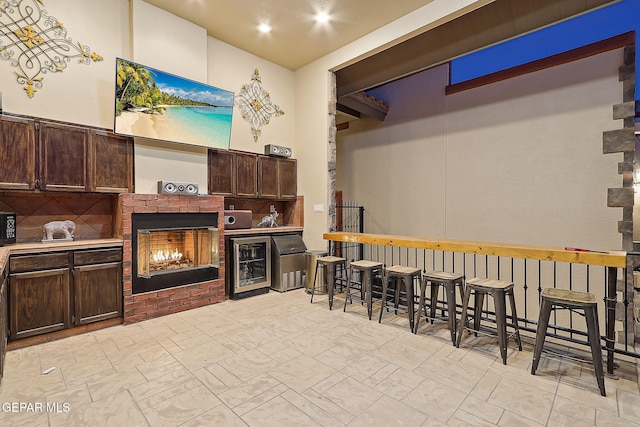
(36, 43)
(255, 105)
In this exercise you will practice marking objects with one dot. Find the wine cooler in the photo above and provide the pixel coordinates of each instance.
(251, 266)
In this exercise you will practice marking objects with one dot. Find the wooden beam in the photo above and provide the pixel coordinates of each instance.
(606, 45)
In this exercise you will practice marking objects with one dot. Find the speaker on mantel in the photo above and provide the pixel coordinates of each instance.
(276, 150)
(181, 188)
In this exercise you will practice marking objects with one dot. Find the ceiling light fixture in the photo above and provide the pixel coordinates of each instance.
(264, 28)
(322, 17)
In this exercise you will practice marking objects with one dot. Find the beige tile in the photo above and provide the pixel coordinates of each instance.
(604, 418)
(590, 397)
(249, 364)
(74, 396)
(511, 419)
(629, 406)
(388, 411)
(260, 399)
(159, 367)
(311, 345)
(559, 419)
(461, 376)
(149, 389)
(352, 395)
(574, 410)
(527, 402)
(322, 401)
(436, 400)
(203, 355)
(399, 383)
(83, 371)
(278, 412)
(248, 390)
(224, 375)
(220, 416)
(481, 409)
(182, 407)
(301, 373)
(313, 411)
(462, 418)
(116, 410)
(114, 383)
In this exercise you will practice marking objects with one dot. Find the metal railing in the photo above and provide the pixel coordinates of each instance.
(530, 269)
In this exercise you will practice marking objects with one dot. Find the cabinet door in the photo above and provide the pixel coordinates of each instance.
(111, 162)
(221, 172)
(63, 157)
(39, 302)
(17, 153)
(97, 292)
(246, 168)
(287, 178)
(267, 177)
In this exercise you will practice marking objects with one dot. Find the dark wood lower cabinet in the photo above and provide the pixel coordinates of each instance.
(39, 302)
(86, 287)
(97, 293)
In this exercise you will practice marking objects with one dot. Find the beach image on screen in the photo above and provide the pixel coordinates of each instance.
(150, 103)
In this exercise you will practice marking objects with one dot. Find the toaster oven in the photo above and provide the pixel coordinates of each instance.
(7, 228)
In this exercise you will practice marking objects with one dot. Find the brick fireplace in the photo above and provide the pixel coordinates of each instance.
(147, 305)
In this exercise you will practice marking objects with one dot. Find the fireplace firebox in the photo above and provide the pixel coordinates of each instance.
(173, 249)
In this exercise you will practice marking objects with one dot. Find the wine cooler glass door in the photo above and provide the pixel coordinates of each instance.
(252, 263)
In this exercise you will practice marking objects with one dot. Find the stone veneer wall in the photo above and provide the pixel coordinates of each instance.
(159, 303)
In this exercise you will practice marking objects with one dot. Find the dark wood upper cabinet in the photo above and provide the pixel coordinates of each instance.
(111, 162)
(55, 156)
(246, 170)
(17, 153)
(63, 157)
(267, 177)
(277, 178)
(287, 178)
(221, 172)
(232, 173)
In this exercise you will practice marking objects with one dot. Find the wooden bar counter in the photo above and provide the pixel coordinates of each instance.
(610, 260)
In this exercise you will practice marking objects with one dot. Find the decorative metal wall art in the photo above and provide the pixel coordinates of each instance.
(255, 105)
(36, 43)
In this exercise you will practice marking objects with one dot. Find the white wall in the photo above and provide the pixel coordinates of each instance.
(518, 161)
(81, 93)
(230, 68)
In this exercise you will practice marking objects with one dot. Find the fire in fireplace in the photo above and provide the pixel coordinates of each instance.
(174, 249)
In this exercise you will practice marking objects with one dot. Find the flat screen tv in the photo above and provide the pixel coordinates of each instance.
(150, 103)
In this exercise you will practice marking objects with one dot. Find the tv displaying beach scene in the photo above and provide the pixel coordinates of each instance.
(152, 104)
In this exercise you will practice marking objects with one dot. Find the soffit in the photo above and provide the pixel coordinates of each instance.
(490, 24)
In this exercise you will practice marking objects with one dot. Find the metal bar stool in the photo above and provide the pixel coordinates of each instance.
(571, 300)
(449, 281)
(400, 274)
(328, 264)
(499, 290)
(367, 270)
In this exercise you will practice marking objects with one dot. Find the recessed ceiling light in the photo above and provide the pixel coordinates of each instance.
(322, 17)
(264, 28)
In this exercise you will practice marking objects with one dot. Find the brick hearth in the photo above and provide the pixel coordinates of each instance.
(159, 303)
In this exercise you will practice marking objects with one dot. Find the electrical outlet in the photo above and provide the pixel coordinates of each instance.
(231, 207)
(272, 208)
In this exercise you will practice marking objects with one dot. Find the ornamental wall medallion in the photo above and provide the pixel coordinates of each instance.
(255, 105)
(36, 43)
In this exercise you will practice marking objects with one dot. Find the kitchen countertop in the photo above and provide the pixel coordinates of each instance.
(255, 231)
(25, 248)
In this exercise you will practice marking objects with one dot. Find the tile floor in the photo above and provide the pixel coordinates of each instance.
(276, 360)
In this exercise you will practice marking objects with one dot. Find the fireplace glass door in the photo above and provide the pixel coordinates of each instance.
(169, 250)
